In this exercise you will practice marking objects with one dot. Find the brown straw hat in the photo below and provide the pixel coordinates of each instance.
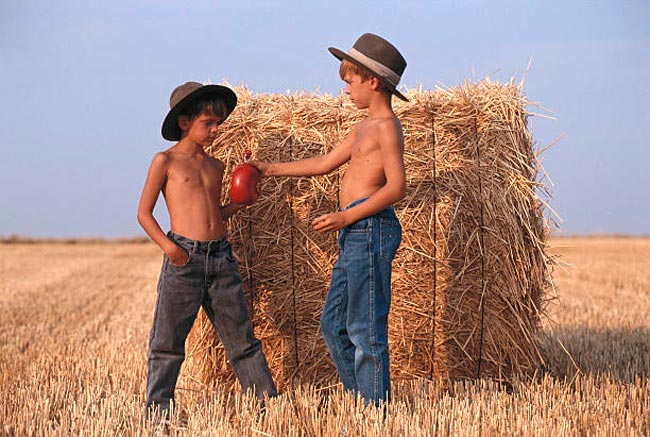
(379, 56)
(184, 95)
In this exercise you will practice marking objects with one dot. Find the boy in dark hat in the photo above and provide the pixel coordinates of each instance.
(198, 266)
(355, 317)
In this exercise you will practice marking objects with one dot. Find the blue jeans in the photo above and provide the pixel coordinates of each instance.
(209, 279)
(354, 322)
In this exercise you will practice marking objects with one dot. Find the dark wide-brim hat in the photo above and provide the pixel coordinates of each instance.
(379, 56)
(185, 94)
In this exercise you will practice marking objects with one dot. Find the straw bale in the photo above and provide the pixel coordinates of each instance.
(470, 279)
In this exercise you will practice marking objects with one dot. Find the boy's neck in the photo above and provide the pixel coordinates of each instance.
(381, 107)
(187, 146)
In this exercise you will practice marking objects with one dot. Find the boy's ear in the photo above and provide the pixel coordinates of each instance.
(183, 122)
(374, 83)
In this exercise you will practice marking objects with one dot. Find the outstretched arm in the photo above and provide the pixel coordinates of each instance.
(156, 179)
(317, 165)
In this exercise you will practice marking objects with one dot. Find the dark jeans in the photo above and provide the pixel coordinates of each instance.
(209, 279)
(355, 316)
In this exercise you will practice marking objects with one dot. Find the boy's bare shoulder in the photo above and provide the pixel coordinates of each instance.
(388, 127)
(391, 122)
(165, 155)
(161, 159)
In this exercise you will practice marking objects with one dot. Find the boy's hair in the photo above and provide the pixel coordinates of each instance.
(208, 103)
(361, 71)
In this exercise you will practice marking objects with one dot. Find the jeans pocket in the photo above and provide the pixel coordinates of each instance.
(362, 226)
(189, 255)
(390, 237)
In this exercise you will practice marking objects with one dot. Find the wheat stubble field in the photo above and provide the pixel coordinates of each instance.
(75, 321)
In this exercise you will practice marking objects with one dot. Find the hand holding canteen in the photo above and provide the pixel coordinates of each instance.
(245, 178)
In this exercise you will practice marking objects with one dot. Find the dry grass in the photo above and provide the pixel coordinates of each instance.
(75, 323)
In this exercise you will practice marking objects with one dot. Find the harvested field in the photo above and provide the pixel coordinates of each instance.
(76, 318)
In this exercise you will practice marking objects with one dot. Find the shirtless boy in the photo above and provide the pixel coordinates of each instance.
(354, 322)
(198, 267)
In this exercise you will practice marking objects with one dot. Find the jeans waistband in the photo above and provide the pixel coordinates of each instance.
(388, 212)
(355, 203)
(197, 246)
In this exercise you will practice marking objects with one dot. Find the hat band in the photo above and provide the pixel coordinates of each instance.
(377, 67)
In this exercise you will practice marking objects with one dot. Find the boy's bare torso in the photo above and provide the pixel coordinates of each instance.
(192, 191)
(365, 174)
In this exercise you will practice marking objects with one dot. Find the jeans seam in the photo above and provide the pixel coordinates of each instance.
(340, 318)
(381, 239)
(155, 319)
(371, 317)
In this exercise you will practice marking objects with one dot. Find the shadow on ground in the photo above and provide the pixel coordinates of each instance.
(620, 353)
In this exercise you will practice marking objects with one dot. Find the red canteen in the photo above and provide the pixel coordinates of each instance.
(243, 188)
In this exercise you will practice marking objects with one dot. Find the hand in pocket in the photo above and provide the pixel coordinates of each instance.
(178, 257)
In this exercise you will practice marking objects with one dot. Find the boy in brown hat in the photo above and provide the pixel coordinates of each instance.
(198, 267)
(355, 317)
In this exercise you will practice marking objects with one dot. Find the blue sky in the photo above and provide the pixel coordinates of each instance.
(84, 87)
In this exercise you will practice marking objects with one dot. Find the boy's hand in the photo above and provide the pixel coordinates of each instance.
(178, 256)
(231, 209)
(262, 167)
(330, 222)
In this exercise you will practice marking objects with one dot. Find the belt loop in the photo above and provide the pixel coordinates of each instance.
(195, 246)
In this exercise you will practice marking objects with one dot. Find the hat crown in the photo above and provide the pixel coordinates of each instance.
(381, 51)
(181, 91)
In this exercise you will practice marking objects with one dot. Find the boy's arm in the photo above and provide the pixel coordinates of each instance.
(318, 165)
(153, 185)
(231, 209)
(391, 142)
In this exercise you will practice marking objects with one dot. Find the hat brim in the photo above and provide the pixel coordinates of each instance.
(171, 130)
(341, 55)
